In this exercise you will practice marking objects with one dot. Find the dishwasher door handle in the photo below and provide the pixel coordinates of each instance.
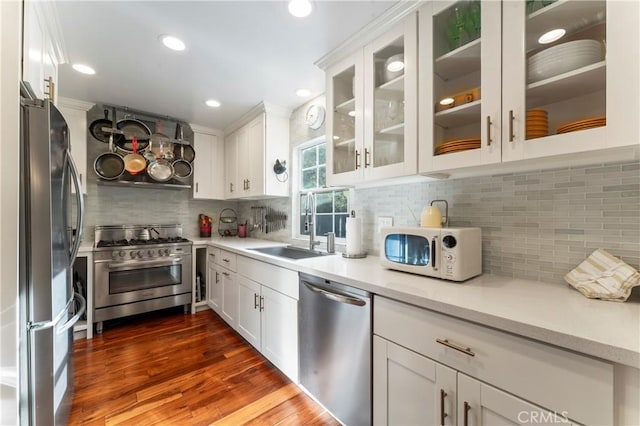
(337, 297)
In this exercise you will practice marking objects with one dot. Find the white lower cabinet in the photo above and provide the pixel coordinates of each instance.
(268, 312)
(260, 302)
(229, 299)
(431, 368)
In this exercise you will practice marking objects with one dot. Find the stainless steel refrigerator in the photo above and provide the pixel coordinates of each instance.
(47, 251)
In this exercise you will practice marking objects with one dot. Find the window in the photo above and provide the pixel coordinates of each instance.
(332, 204)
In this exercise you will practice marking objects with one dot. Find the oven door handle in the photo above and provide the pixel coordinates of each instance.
(138, 263)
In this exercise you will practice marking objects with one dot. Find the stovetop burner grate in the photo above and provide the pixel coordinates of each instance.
(139, 242)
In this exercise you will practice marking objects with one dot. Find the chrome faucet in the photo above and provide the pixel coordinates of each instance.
(309, 224)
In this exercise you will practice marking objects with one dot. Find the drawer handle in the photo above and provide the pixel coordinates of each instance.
(462, 349)
(255, 301)
(488, 130)
(511, 117)
(467, 407)
(217, 277)
(225, 260)
(226, 274)
(443, 395)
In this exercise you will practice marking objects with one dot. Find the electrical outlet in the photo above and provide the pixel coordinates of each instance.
(384, 221)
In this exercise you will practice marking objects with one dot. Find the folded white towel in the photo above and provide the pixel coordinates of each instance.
(603, 276)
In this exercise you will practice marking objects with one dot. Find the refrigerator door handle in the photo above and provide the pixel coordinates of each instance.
(74, 319)
(75, 178)
(43, 325)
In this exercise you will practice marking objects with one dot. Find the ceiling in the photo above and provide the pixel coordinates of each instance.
(238, 52)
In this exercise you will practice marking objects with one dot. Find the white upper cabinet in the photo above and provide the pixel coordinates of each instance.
(587, 82)
(42, 51)
(491, 91)
(460, 84)
(254, 144)
(75, 114)
(372, 109)
(208, 165)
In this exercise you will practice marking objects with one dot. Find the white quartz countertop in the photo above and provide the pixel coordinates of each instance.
(552, 313)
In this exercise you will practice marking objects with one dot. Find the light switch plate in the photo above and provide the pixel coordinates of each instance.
(384, 221)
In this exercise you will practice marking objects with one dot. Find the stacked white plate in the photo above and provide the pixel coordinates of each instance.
(563, 58)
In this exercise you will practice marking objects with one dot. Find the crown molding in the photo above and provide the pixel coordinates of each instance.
(206, 130)
(262, 107)
(370, 32)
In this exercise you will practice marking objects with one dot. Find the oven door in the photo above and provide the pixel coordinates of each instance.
(120, 282)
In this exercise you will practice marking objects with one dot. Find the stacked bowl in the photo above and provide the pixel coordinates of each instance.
(537, 123)
(563, 58)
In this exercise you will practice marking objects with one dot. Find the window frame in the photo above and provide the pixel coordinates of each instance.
(298, 191)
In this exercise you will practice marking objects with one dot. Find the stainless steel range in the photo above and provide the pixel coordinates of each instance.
(140, 268)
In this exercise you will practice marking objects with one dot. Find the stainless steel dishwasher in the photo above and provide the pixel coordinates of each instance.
(335, 347)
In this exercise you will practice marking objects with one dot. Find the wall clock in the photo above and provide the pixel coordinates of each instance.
(315, 116)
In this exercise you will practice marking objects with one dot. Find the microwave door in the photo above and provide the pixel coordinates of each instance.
(410, 250)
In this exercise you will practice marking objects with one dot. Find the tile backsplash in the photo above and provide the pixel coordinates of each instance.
(535, 225)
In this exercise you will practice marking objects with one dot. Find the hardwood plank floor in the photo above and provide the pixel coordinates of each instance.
(170, 368)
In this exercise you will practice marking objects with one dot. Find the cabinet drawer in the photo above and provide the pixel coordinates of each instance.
(280, 279)
(227, 259)
(213, 255)
(554, 378)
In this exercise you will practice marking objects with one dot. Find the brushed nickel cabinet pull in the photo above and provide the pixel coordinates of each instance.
(226, 274)
(196, 186)
(248, 184)
(217, 277)
(255, 301)
(443, 415)
(467, 407)
(50, 89)
(462, 349)
(511, 137)
(357, 157)
(261, 303)
(230, 187)
(488, 130)
(367, 158)
(225, 260)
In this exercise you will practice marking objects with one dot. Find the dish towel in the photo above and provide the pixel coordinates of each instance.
(603, 276)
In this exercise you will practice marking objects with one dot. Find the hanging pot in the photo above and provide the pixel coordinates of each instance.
(134, 163)
(183, 151)
(109, 165)
(182, 168)
(133, 128)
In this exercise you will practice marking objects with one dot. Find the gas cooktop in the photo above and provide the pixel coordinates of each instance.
(139, 242)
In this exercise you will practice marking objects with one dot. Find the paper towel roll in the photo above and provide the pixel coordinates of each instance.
(354, 235)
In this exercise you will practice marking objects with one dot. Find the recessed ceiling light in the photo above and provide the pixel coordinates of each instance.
(352, 113)
(446, 101)
(551, 36)
(395, 66)
(212, 103)
(84, 69)
(172, 42)
(303, 93)
(300, 8)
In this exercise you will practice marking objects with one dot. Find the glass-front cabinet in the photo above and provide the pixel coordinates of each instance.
(570, 76)
(460, 84)
(372, 125)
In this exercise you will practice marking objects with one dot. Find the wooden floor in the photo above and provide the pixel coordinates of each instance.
(169, 368)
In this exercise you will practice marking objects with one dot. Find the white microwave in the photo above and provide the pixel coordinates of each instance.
(449, 253)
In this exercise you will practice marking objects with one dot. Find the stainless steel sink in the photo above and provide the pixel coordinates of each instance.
(289, 252)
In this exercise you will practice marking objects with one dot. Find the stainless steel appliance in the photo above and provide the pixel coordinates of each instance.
(135, 273)
(47, 252)
(335, 347)
(449, 253)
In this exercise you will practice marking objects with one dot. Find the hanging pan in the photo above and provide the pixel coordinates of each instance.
(134, 163)
(96, 127)
(183, 152)
(109, 165)
(181, 167)
(131, 128)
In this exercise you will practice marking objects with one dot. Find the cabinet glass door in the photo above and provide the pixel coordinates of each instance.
(555, 69)
(566, 67)
(388, 106)
(346, 158)
(461, 71)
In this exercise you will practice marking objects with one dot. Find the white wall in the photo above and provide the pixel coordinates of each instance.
(10, 18)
